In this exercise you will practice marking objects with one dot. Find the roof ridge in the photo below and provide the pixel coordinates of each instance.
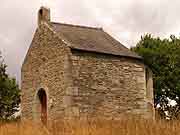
(91, 39)
(80, 26)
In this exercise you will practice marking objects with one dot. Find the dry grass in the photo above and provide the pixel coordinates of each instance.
(93, 127)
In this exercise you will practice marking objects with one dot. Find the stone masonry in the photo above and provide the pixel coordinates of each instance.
(80, 83)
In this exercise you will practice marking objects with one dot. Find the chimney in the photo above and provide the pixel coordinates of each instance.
(44, 15)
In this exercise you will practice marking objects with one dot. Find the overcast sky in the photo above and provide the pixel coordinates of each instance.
(126, 20)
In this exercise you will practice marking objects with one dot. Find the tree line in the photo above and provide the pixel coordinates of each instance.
(9, 93)
(163, 58)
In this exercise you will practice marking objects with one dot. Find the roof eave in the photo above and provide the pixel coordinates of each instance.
(105, 53)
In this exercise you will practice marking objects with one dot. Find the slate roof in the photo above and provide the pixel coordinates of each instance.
(92, 40)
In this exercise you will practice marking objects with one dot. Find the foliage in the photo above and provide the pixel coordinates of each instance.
(163, 57)
(9, 93)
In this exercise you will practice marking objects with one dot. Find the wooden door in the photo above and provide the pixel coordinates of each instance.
(43, 101)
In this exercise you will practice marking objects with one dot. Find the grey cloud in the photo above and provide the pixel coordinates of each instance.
(125, 20)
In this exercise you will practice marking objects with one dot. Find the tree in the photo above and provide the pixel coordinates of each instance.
(163, 57)
(9, 93)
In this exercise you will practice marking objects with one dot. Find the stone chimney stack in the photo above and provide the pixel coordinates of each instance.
(44, 15)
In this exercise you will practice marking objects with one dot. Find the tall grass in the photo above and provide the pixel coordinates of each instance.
(92, 127)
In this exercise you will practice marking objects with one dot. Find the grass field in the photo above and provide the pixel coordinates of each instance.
(92, 127)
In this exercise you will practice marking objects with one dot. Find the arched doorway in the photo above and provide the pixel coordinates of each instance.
(43, 105)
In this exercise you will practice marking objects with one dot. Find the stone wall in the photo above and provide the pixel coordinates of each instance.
(46, 66)
(150, 92)
(108, 86)
(81, 84)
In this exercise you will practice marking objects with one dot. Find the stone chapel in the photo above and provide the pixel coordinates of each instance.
(73, 71)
